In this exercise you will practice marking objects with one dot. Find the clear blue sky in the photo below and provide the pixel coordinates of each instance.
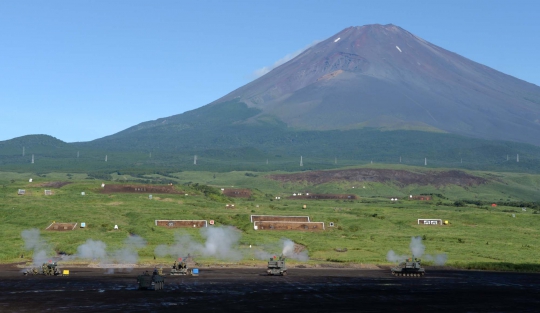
(81, 70)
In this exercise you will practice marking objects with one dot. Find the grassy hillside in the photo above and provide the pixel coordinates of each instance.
(224, 138)
(479, 236)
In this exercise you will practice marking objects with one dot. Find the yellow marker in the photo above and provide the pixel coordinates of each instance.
(65, 272)
(445, 222)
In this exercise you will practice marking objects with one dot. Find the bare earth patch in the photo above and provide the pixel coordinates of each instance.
(61, 226)
(399, 177)
(54, 184)
(119, 188)
(237, 193)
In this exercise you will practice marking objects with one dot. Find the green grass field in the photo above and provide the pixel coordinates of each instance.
(478, 236)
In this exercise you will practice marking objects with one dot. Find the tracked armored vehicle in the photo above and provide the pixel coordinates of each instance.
(47, 269)
(150, 282)
(276, 266)
(410, 268)
(179, 268)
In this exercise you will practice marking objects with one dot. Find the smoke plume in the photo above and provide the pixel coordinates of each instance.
(125, 257)
(417, 250)
(92, 250)
(287, 248)
(42, 251)
(128, 254)
(219, 242)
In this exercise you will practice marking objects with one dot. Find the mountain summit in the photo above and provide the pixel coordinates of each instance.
(384, 77)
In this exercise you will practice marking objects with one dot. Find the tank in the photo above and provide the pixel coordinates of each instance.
(152, 281)
(47, 269)
(276, 266)
(411, 268)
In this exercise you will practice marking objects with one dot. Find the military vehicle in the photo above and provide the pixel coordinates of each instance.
(276, 266)
(179, 268)
(410, 268)
(151, 282)
(47, 269)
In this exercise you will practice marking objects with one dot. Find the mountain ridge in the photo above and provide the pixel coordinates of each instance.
(398, 74)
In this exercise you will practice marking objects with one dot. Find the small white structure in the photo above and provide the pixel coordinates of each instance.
(83, 225)
(48, 192)
(30, 180)
(83, 193)
(102, 185)
(115, 226)
(21, 192)
(150, 197)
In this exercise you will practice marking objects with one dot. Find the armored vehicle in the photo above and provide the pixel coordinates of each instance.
(410, 268)
(276, 266)
(47, 269)
(149, 281)
(32, 271)
(179, 268)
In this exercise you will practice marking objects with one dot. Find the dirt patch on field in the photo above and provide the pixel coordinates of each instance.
(140, 189)
(237, 193)
(325, 197)
(54, 184)
(61, 226)
(399, 177)
(302, 226)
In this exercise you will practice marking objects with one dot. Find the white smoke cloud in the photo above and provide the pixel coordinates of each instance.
(393, 257)
(220, 242)
(289, 251)
(263, 70)
(417, 249)
(42, 251)
(439, 259)
(287, 248)
(128, 254)
(126, 257)
(92, 250)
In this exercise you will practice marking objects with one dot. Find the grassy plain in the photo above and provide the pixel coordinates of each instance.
(478, 236)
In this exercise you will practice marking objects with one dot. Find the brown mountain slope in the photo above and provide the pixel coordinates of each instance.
(383, 76)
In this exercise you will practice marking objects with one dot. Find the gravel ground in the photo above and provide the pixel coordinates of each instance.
(250, 290)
